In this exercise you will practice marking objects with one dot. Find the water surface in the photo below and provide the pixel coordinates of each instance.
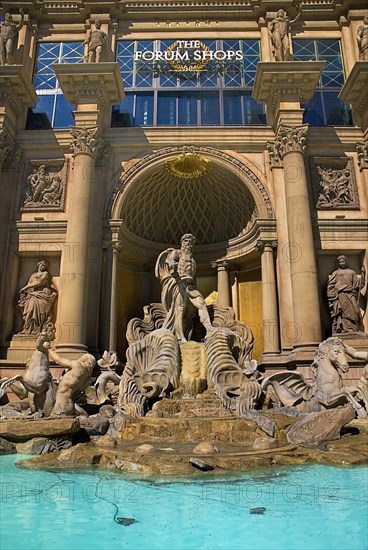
(304, 507)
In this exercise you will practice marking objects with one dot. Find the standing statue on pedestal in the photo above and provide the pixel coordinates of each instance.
(343, 290)
(179, 293)
(95, 42)
(362, 39)
(36, 300)
(279, 33)
(8, 38)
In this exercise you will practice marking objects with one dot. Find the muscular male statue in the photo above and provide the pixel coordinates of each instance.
(8, 38)
(76, 379)
(179, 293)
(279, 33)
(94, 43)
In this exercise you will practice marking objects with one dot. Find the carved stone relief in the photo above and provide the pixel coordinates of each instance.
(45, 185)
(334, 183)
(362, 150)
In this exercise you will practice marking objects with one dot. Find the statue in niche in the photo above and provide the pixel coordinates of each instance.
(179, 293)
(279, 30)
(94, 44)
(343, 291)
(334, 187)
(76, 379)
(43, 189)
(36, 300)
(362, 39)
(8, 38)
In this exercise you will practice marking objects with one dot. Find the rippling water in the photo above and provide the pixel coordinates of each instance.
(305, 507)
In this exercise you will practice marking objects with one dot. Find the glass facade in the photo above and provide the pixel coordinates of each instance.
(325, 108)
(52, 110)
(159, 95)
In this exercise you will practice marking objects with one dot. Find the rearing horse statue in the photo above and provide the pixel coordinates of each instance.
(327, 391)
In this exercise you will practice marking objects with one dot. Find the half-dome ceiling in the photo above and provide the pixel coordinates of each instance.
(161, 207)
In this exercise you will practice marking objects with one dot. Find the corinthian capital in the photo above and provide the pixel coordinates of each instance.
(86, 140)
(263, 243)
(288, 139)
(6, 145)
(220, 265)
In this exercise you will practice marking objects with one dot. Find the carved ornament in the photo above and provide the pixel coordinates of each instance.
(334, 183)
(214, 153)
(262, 243)
(116, 246)
(86, 140)
(45, 185)
(289, 139)
(362, 150)
(6, 145)
(220, 264)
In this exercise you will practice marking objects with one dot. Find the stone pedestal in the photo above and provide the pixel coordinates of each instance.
(285, 84)
(17, 94)
(93, 88)
(21, 347)
(355, 92)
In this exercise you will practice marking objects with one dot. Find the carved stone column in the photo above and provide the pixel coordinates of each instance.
(223, 286)
(93, 88)
(16, 95)
(283, 86)
(74, 271)
(269, 297)
(116, 248)
(290, 146)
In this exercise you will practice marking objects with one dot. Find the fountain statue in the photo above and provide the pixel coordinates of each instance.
(37, 382)
(189, 379)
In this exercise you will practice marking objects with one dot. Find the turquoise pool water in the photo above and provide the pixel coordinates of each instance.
(309, 507)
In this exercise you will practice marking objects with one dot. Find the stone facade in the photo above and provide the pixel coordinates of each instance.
(272, 206)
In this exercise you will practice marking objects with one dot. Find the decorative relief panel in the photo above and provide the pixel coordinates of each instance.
(45, 185)
(334, 183)
(362, 150)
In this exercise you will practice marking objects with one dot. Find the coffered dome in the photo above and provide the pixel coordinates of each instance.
(167, 202)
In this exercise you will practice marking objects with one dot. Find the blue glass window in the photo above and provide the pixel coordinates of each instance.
(52, 110)
(325, 108)
(219, 93)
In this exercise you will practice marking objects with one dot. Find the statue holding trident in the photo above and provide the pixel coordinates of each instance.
(179, 293)
(279, 31)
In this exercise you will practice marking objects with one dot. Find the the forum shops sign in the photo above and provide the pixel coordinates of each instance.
(188, 56)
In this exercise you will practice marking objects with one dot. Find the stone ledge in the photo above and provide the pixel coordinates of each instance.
(22, 430)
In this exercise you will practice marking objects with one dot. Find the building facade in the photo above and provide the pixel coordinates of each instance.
(186, 123)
